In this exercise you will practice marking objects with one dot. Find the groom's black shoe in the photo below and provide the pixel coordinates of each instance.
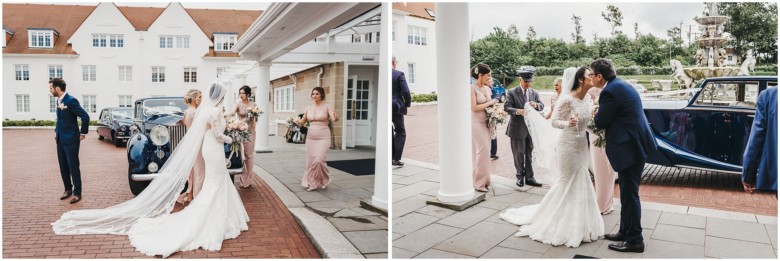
(614, 237)
(66, 194)
(520, 183)
(627, 247)
(75, 199)
(532, 182)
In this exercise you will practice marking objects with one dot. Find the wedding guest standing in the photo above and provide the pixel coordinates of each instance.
(317, 140)
(557, 87)
(242, 107)
(197, 174)
(603, 174)
(402, 99)
(520, 142)
(68, 137)
(759, 169)
(480, 133)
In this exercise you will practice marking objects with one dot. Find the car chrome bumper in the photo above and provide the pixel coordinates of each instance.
(151, 176)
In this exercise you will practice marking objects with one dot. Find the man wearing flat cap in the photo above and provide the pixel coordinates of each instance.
(521, 143)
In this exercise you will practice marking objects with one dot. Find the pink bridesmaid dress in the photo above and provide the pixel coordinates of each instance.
(480, 142)
(249, 147)
(197, 174)
(603, 173)
(317, 146)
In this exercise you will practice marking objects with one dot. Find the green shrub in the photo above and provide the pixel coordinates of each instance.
(35, 123)
(424, 97)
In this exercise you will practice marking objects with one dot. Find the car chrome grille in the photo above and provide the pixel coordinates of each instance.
(176, 133)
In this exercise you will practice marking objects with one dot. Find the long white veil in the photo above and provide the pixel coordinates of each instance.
(159, 197)
(545, 136)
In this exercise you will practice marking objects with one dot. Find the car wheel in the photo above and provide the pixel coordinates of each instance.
(99, 136)
(136, 187)
(117, 142)
(503, 98)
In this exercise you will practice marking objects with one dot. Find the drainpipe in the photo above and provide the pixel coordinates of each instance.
(319, 77)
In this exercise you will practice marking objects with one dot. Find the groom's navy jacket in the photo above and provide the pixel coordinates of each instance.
(628, 135)
(67, 128)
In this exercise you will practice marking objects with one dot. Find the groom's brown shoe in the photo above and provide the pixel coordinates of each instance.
(75, 199)
(614, 237)
(66, 194)
(628, 247)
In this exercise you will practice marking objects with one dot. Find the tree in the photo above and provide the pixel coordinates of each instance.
(530, 37)
(614, 17)
(499, 50)
(513, 32)
(636, 31)
(753, 25)
(676, 41)
(577, 35)
(649, 51)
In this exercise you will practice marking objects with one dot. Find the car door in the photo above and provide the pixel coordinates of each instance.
(102, 123)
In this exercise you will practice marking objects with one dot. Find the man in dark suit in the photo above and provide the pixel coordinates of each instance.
(629, 142)
(759, 165)
(402, 99)
(520, 141)
(68, 138)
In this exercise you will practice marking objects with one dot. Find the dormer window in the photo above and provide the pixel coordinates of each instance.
(224, 42)
(6, 36)
(430, 12)
(42, 37)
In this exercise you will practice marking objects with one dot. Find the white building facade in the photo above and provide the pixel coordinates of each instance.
(414, 41)
(111, 59)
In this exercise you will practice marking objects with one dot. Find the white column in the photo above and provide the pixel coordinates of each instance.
(382, 167)
(452, 67)
(263, 90)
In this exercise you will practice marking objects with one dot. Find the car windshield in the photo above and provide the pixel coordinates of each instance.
(164, 107)
(120, 114)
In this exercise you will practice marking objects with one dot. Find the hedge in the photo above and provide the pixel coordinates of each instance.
(35, 123)
(648, 70)
(424, 97)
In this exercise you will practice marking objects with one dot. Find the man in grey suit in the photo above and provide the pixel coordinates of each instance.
(522, 147)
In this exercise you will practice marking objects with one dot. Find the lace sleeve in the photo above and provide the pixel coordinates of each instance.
(189, 116)
(218, 125)
(560, 113)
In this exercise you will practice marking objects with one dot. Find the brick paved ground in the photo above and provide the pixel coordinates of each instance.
(659, 184)
(32, 185)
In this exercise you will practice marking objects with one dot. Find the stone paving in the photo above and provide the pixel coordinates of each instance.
(32, 186)
(670, 231)
(685, 187)
(363, 233)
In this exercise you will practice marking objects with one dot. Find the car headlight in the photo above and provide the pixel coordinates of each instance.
(153, 167)
(160, 135)
(123, 128)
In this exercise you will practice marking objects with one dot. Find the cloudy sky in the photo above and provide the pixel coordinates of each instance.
(554, 19)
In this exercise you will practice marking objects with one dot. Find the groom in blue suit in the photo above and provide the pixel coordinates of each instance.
(759, 170)
(68, 138)
(629, 141)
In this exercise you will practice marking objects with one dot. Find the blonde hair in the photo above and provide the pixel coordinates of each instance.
(558, 80)
(191, 95)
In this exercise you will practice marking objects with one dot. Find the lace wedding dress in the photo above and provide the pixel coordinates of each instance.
(569, 213)
(216, 214)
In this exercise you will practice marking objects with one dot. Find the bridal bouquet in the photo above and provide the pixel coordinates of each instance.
(600, 142)
(293, 121)
(239, 131)
(495, 116)
(253, 112)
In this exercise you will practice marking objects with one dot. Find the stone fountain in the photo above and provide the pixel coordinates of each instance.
(711, 57)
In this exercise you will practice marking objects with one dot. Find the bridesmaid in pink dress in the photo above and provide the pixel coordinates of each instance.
(317, 140)
(195, 180)
(480, 133)
(249, 147)
(603, 174)
(557, 87)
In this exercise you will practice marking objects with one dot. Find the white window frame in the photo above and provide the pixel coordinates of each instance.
(108, 40)
(190, 74)
(411, 67)
(52, 104)
(174, 41)
(224, 42)
(125, 73)
(158, 73)
(23, 103)
(55, 71)
(221, 70)
(90, 103)
(284, 99)
(417, 35)
(89, 73)
(126, 101)
(38, 38)
(357, 38)
(22, 72)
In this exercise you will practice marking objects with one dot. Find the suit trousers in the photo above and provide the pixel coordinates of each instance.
(399, 136)
(521, 150)
(493, 147)
(631, 210)
(68, 157)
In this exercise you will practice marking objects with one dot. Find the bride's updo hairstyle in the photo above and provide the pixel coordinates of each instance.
(580, 75)
(479, 69)
(216, 93)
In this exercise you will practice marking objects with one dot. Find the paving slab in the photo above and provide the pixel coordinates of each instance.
(358, 223)
(372, 241)
(409, 205)
(745, 231)
(413, 190)
(772, 233)
(729, 248)
(504, 253)
(650, 218)
(425, 238)
(525, 244)
(435, 211)
(683, 220)
(585, 249)
(346, 193)
(686, 235)
(665, 249)
(311, 196)
(478, 239)
(468, 217)
(438, 254)
(412, 222)
(399, 253)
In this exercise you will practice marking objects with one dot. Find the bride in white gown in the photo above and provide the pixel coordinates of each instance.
(569, 213)
(216, 214)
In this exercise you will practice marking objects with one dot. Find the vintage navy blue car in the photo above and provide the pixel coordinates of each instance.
(114, 123)
(708, 128)
(157, 130)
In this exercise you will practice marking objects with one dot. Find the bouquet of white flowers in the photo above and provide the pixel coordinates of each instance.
(600, 142)
(253, 112)
(495, 116)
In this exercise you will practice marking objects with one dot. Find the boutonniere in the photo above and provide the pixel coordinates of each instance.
(62, 106)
